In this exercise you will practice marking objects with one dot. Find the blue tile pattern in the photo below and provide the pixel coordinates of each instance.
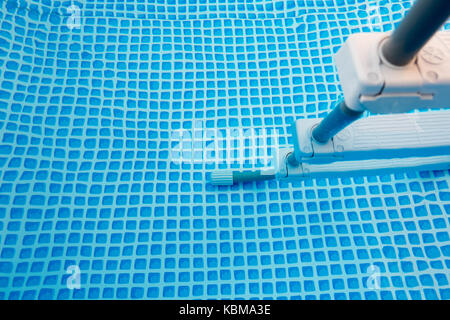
(86, 179)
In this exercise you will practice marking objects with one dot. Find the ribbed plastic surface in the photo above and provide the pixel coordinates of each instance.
(388, 136)
(88, 180)
(222, 178)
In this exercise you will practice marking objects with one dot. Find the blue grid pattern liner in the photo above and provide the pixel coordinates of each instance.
(86, 178)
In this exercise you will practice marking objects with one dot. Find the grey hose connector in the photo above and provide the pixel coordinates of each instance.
(335, 121)
(229, 177)
(419, 25)
(222, 178)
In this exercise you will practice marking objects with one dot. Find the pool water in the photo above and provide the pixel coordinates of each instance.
(93, 204)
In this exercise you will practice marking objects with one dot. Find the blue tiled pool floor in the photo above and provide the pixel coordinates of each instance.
(87, 182)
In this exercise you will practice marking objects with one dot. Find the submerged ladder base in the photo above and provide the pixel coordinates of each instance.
(344, 169)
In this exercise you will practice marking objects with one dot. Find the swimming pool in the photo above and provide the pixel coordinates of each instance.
(93, 205)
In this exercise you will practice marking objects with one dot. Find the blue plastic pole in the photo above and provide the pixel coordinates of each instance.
(418, 26)
(334, 122)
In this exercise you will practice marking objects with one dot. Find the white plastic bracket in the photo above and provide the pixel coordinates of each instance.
(370, 83)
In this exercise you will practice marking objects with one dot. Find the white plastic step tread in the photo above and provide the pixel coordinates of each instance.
(391, 136)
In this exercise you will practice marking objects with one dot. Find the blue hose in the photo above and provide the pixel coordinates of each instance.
(334, 122)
